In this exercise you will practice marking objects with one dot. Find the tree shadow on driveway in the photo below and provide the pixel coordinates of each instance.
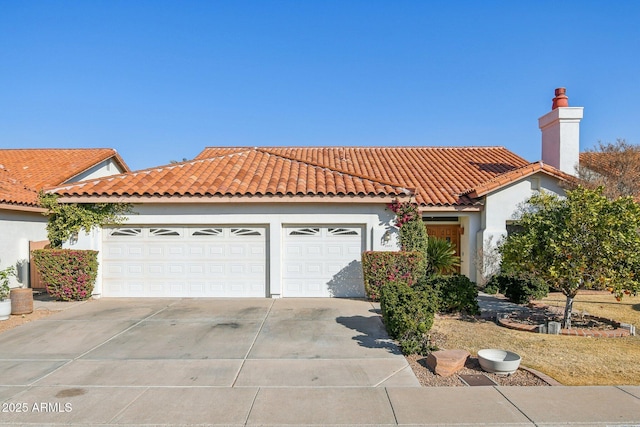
(372, 332)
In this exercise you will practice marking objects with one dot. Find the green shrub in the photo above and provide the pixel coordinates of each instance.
(68, 274)
(456, 293)
(491, 288)
(408, 315)
(441, 256)
(519, 290)
(380, 268)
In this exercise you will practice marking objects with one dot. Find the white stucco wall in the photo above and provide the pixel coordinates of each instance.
(375, 219)
(17, 228)
(102, 169)
(502, 205)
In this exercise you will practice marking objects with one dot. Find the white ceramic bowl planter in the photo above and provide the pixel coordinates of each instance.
(501, 362)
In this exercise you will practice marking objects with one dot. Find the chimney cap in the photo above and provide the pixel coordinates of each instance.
(561, 99)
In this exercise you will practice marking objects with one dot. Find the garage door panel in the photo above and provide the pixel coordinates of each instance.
(319, 261)
(157, 270)
(169, 261)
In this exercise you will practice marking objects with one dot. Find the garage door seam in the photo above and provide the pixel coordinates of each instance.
(253, 343)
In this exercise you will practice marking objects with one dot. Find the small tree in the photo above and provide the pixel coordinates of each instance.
(66, 219)
(581, 241)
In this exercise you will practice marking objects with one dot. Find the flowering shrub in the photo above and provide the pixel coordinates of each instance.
(405, 212)
(412, 232)
(68, 274)
(380, 268)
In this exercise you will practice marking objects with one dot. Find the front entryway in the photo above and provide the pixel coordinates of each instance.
(184, 261)
(448, 232)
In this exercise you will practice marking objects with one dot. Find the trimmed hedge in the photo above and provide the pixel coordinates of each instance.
(519, 290)
(456, 293)
(408, 315)
(382, 268)
(69, 275)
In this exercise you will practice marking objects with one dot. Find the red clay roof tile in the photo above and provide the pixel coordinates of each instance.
(27, 171)
(440, 175)
(514, 175)
(249, 172)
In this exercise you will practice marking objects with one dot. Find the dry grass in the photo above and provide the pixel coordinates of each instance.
(570, 360)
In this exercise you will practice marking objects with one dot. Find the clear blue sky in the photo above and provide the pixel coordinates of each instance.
(160, 80)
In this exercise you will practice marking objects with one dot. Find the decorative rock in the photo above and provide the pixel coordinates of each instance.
(447, 362)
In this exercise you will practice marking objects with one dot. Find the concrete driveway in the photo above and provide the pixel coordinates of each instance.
(123, 357)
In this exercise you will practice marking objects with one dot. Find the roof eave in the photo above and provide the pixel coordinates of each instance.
(164, 199)
(21, 208)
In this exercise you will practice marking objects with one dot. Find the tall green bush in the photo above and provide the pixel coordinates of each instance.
(456, 293)
(520, 290)
(408, 315)
(69, 275)
(380, 268)
(412, 232)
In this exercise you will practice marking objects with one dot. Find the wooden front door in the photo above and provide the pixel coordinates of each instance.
(448, 232)
(34, 277)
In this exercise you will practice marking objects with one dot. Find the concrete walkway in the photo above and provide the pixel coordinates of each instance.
(253, 362)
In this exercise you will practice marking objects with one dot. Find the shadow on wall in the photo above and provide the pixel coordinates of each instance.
(372, 332)
(348, 282)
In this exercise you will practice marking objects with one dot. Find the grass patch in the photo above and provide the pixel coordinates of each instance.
(570, 360)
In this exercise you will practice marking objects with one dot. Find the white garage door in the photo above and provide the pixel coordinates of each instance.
(323, 261)
(167, 261)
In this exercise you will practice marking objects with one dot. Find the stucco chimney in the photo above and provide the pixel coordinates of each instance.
(561, 134)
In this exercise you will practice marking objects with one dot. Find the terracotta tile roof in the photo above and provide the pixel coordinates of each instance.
(437, 176)
(234, 172)
(440, 175)
(514, 175)
(14, 192)
(27, 171)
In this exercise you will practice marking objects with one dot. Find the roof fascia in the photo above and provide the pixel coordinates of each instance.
(475, 194)
(21, 208)
(475, 208)
(227, 199)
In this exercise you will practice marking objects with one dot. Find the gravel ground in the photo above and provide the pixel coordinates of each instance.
(19, 319)
(428, 379)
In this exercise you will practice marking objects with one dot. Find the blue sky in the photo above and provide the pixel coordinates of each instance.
(160, 80)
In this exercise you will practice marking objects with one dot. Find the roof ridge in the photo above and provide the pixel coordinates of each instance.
(316, 164)
(535, 167)
(246, 151)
